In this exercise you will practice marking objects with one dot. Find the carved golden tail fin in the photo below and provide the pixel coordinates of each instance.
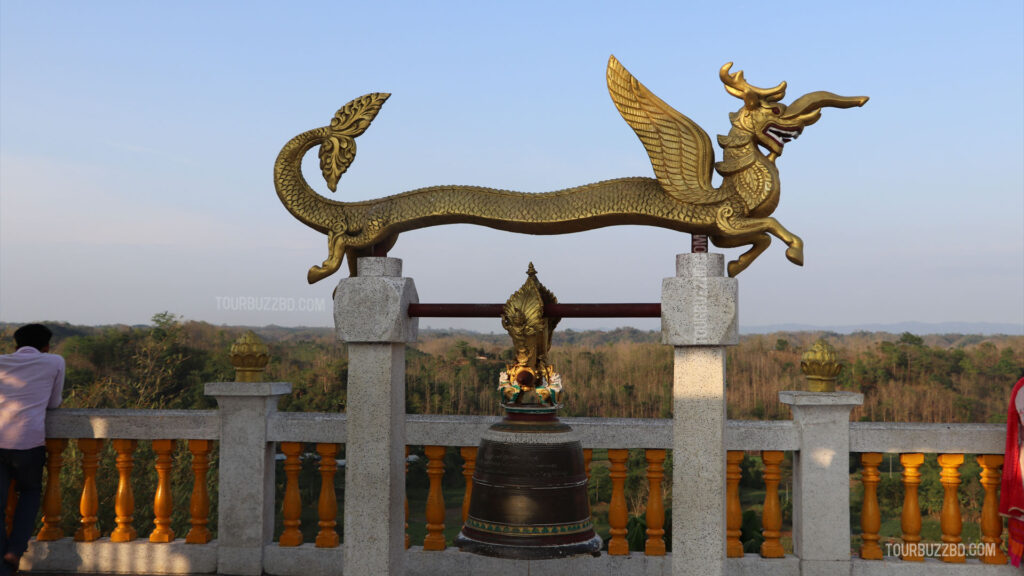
(339, 148)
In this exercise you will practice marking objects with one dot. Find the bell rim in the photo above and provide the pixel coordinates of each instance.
(527, 551)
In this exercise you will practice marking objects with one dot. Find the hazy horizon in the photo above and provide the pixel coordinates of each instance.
(137, 142)
(917, 328)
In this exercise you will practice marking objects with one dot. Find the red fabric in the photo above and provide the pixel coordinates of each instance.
(1015, 544)
(1011, 495)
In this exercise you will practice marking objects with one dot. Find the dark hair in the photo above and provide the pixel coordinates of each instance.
(34, 335)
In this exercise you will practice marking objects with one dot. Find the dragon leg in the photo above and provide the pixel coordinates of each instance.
(379, 249)
(353, 255)
(335, 253)
(747, 227)
(338, 249)
(759, 243)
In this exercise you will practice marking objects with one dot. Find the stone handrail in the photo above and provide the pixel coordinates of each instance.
(899, 437)
(133, 424)
(892, 437)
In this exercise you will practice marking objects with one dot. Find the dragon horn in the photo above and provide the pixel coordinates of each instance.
(817, 100)
(736, 85)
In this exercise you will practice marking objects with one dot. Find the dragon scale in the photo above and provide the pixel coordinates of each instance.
(637, 200)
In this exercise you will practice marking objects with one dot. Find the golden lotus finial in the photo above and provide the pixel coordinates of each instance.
(531, 380)
(249, 356)
(821, 367)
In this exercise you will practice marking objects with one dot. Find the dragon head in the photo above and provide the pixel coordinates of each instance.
(771, 123)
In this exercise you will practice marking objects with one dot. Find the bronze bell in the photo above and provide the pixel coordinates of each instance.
(529, 497)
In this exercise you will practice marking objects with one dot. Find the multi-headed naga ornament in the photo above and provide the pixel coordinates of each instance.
(531, 380)
(681, 197)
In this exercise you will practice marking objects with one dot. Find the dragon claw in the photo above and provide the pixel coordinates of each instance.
(795, 254)
(318, 273)
(735, 268)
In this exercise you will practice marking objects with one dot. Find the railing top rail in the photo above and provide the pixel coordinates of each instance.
(307, 427)
(133, 424)
(904, 437)
(453, 430)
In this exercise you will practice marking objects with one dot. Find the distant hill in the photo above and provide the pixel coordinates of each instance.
(276, 333)
(919, 328)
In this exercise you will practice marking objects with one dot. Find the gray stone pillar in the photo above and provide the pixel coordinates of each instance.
(821, 480)
(245, 506)
(699, 318)
(371, 315)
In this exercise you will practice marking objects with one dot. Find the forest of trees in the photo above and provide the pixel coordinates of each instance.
(618, 373)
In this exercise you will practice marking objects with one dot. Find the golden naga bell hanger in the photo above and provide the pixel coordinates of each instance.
(680, 197)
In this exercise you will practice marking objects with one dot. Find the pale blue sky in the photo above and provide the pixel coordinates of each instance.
(137, 141)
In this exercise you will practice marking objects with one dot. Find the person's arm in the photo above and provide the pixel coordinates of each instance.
(57, 392)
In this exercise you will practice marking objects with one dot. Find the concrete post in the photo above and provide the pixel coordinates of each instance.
(245, 509)
(821, 480)
(699, 318)
(371, 315)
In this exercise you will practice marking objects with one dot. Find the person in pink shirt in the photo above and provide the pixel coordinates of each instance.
(31, 382)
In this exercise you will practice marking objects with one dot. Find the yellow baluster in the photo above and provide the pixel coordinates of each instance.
(12, 504)
(52, 508)
(910, 521)
(163, 501)
(870, 518)
(291, 507)
(89, 505)
(952, 524)
(771, 515)
(407, 543)
(617, 513)
(434, 539)
(468, 454)
(991, 523)
(733, 510)
(327, 506)
(655, 545)
(199, 503)
(124, 501)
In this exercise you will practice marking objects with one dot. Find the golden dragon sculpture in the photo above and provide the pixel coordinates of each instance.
(681, 197)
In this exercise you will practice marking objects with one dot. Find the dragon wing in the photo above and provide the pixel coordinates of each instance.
(679, 149)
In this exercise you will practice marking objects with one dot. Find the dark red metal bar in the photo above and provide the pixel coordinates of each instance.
(554, 310)
(455, 310)
(604, 310)
(698, 243)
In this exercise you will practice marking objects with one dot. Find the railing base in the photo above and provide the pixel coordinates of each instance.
(143, 557)
(136, 557)
(306, 560)
(931, 566)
